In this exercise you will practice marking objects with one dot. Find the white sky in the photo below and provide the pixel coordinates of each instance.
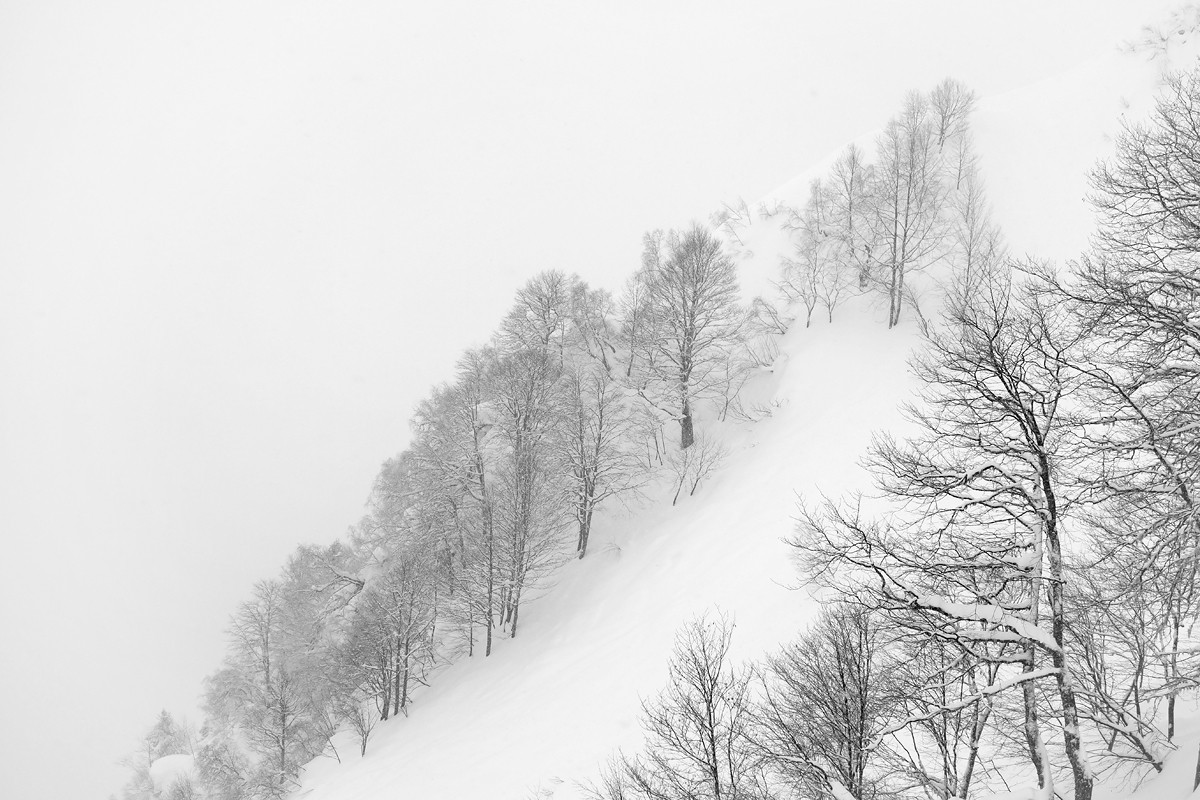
(240, 240)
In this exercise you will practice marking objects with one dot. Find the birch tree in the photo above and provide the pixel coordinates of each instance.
(849, 192)
(909, 196)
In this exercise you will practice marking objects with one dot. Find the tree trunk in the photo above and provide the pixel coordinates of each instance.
(1033, 736)
(897, 295)
(1173, 674)
(404, 677)
(491, 595)
(978, 725)
(516, 607)
(470, 626)
(396, 678)
(687, 436)
(585, 529)
(386, 711)
(1196, 780)
(1066, 690)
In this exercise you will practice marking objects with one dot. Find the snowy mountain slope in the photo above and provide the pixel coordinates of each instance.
(551, 705)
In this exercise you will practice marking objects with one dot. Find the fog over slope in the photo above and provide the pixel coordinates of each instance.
(550, 707)
(242, 242)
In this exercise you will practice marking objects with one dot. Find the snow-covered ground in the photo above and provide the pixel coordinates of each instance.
(550, 706)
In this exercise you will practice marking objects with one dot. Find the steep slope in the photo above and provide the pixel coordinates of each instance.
(549, 706)
(555, 700)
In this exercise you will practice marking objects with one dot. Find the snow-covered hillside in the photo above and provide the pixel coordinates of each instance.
(552, 703)
(548, 708)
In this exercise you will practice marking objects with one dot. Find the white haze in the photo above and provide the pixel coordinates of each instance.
(239, 241)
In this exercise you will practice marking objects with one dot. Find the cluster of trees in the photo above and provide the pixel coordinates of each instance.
(1019, 596)
(867, 226)
(1018, 601)
(806, 723)
(167, 737)
(575, 401)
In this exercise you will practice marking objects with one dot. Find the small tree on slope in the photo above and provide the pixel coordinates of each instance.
(699, 737)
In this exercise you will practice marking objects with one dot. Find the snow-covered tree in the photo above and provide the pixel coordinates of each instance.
(526, 393)
(974, 550)
(909, 196)
(690, 303)
(824, 703)
(699, 730)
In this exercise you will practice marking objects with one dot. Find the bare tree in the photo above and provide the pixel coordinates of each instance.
(691, 307)
(908, 199)
(641, 324)
(1147, 195)
(943, 717)
(455, 455)
(694, 296)
(699, 741)
(734, 369)
(850, 187)
(593, 315)
(692, 466)
(540, 318)
(804, 276)
(390, 642)
(977, 247)
(951, 103)
(731, 221)
(526, 394)
(824, 703)
(222, 765)
(1137, 298)
(598, 445)
(263, 696)
(979, 556)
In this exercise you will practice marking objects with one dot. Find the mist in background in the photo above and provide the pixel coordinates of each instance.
(239, 242)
